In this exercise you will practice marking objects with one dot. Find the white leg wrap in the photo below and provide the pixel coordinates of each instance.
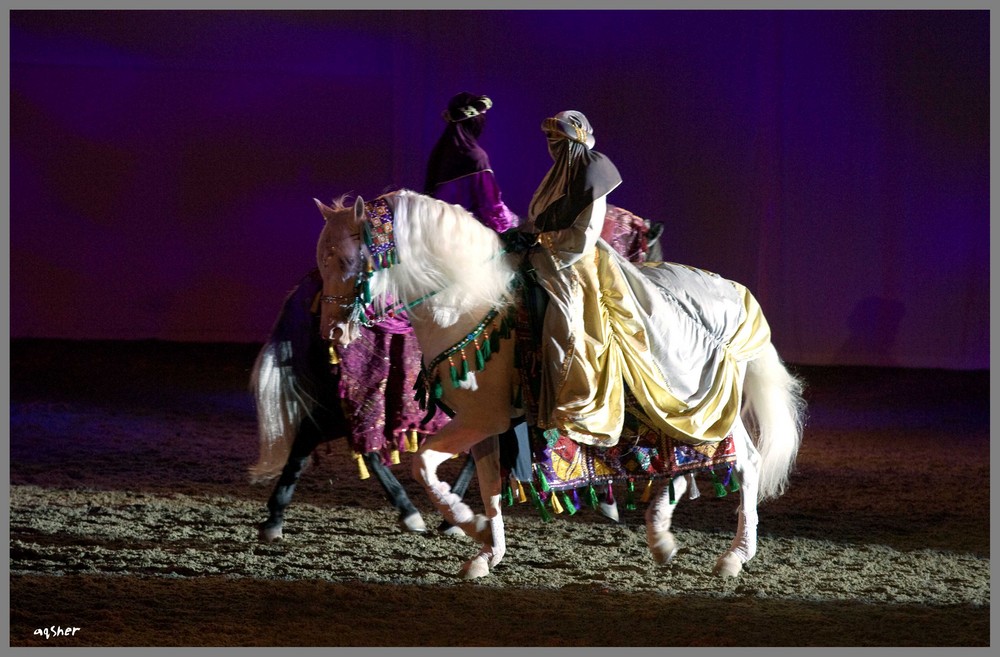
(659, 539)
(450, 505)
(744, 545)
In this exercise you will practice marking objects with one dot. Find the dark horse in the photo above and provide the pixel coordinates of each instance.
(295, 387)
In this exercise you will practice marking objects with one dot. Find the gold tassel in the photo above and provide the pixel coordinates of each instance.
(394, 456)
(362, 468)
(648, 491)
(412, 443)
(556, 506)
(521, 497)
(334, 357)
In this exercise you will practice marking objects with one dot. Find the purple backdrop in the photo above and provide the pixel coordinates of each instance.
(163, 164)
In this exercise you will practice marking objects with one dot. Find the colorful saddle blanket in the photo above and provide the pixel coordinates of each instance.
(642, 453)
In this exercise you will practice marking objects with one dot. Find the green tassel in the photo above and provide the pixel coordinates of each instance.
(454, 375)
(465, 368)
(542, 481)
(487, 347)
(720, 490)
(568, 503)
(480, 360)
(366, 291)
(593, 496)
(673, 493)
(495, 341)
(630, 495)
(437, 390)
(508, 494)
(538, 502)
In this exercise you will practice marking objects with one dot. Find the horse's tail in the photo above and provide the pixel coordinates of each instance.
(774, 410)
(284, 379)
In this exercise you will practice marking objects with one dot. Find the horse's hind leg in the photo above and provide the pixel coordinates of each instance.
(744, 545)
(307, 438)
(660, 540)
(409, 517)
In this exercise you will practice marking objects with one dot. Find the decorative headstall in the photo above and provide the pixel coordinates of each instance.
(378, 238)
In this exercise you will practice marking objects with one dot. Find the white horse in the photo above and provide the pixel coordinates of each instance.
(454, 279)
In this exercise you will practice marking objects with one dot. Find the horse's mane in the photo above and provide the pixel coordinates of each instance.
(443, 248)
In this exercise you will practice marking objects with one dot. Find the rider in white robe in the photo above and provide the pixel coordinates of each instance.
(673, 334)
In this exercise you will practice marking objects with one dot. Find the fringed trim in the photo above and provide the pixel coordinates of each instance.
(484, 341)
(569, 500)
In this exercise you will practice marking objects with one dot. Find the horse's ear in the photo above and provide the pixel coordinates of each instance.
(323, 209)
(359, 209)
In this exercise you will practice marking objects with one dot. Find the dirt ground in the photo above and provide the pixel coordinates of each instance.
(132, 519)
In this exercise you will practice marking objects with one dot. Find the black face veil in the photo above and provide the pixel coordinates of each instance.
(578, 176)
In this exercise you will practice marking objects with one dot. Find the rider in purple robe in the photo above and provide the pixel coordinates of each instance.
(458, 170)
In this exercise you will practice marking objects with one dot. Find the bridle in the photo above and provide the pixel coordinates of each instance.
(378, 248)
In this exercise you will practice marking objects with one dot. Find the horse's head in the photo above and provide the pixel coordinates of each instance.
(340, 261)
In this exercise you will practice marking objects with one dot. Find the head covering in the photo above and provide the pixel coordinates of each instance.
(578, 176)
(457, 151)
(466, 106)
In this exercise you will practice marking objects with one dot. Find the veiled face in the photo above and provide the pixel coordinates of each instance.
(338, 256)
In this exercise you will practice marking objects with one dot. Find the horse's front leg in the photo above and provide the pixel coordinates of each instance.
(454, 438)
(487, 456)
(410, 519)
(744, 545)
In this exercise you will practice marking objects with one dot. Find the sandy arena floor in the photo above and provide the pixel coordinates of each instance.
(131, 518)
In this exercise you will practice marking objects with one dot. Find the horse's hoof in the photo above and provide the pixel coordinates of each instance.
(728, 565)
(448, 529)
(663, 548)
(476, 567)
(608, 510)
(413, 523)
(267, 534)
